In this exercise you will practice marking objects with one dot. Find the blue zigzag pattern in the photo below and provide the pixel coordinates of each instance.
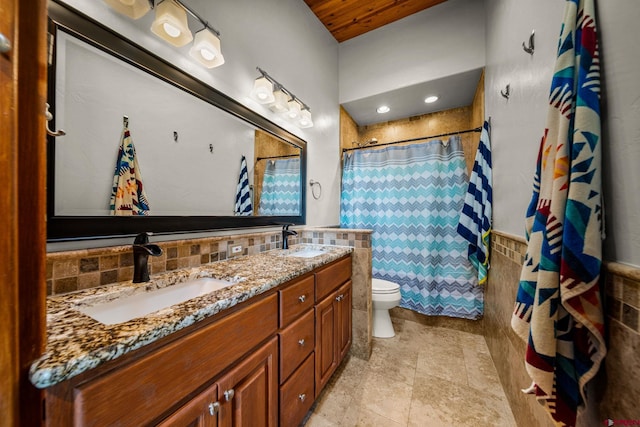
(281, 188)
(411, 197)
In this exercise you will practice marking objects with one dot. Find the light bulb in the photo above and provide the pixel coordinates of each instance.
(430, 99)
(207, 54)
(383, 109)
(262, 95)
(171, 30)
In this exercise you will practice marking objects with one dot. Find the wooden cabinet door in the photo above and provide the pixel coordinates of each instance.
(202, 411)
(326, 356)
(343, 323)
(248, 394)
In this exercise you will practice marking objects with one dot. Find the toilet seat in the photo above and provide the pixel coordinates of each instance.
(383, 287)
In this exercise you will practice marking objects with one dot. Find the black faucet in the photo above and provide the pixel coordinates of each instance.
(285, 235)
(141, 251)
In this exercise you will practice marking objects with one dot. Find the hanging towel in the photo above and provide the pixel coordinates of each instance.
(243, 194)
(558, 310)
(281, 188)
(475, 219)
(127, 194)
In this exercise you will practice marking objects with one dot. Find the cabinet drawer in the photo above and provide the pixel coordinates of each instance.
(151, 384)
(297, 394)
(331, 277)
(296, 342)
(296, 299)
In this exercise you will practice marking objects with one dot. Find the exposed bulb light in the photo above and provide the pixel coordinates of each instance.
(293, 110)
(262, 91)
(430, 99)
(171, 23)
(206, 49)
(171, 30)
(383, 109)
(134, 9)
(305, 119)
(280, 101)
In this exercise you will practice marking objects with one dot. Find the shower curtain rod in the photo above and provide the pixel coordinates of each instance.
(478, 130)
(277, 157)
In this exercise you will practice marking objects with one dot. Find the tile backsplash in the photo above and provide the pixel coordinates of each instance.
(70, 271)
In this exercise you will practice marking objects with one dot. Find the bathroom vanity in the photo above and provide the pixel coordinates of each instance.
(260, 355)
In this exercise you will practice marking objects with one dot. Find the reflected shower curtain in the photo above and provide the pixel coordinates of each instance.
(281, 188)
(411, 197)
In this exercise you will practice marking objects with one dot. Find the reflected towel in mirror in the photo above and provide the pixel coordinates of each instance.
(127, 194)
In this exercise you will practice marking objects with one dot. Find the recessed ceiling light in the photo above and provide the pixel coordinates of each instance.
(383, 109)
(430, 99)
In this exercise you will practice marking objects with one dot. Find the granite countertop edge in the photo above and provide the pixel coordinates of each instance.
(77, 343)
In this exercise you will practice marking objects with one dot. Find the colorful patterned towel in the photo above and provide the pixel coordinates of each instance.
(558, 309)
(475, 219)
(243, 192)
(127, 193)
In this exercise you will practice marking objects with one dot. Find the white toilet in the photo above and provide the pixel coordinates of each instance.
(385, 295)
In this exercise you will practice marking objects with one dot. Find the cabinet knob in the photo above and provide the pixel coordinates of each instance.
(302, 298)
(301, 342)
(302, 397)
(339, 298)
(228, 395)
(5, 44)
(214, 408)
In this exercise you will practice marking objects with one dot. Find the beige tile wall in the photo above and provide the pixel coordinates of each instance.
(75, 270)
(620, 386)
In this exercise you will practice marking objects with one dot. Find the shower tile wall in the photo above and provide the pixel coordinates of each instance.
(73, 270)
(622, 288)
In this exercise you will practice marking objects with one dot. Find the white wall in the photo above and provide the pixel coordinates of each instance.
(441, 41)
(284, 38)
(517, 124)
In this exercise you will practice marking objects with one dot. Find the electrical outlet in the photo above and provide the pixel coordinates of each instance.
(235, 250)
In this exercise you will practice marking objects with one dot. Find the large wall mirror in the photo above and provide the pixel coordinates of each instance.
(189, 141)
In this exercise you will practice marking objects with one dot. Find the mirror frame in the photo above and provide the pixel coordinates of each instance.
(64, 228)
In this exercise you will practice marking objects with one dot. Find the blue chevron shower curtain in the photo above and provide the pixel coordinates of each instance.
(411, 197)
(281, 188)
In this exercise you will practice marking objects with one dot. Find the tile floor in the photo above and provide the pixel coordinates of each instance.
(424, 376)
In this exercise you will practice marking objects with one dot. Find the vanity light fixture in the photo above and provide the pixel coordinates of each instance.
(293, 109)
(305, 119)
(383, 109)
(279, 105)
(263, 90)
(266, 90)
(430, 99)
(134, 9)
(206, 48)
(171, 23)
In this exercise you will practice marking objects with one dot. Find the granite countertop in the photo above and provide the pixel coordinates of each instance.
(77, 342)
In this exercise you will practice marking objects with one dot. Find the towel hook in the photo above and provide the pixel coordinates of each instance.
(506, 92)
(175, 136)
(125, 121)
(49, 117)
(211, 148)
(531, 48)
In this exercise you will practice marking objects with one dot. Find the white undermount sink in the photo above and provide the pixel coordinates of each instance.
(138, 305)
(306, 253)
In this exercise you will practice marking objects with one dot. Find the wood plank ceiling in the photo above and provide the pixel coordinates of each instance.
(346, 19)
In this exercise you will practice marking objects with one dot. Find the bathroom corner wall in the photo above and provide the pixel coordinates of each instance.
(362, 307)
(622, 288)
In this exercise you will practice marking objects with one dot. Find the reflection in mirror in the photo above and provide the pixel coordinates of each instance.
(189, 141)
(188, 150)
